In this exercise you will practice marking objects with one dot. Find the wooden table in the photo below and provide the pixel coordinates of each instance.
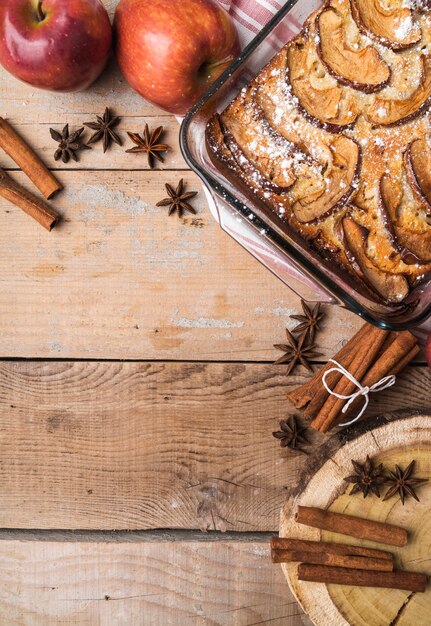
(137, 393)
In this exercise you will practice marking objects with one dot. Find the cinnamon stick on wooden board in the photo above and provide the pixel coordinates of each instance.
(352, 526)
(18, 150)
(332, 560)
(25, 200)
(398, 579)
(286, 543)
(365, 355)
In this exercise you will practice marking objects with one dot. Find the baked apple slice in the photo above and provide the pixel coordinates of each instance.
(392, 27)
(320, 97)
(340, 178)
(362, 69)
(225, 152)
(413, 240)
(417, 163)
(268, 173)
(393, 288)
(264, 155)
(383, 112)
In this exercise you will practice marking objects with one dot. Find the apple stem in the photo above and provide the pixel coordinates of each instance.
(40, 13)
(224, 61)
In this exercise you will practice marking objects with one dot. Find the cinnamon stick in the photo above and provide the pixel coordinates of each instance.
(365, 355)
(389, 361)
(398, 579)
(332, 560)
(352, 526)
(406, 360)
(15, 146)
(390, 338)
(25, 200)
(307, 392)
(321, 395)
(285, 543)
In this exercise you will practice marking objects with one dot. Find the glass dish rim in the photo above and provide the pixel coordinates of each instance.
(213, 185)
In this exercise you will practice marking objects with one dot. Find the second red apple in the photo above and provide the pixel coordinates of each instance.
(170, 51)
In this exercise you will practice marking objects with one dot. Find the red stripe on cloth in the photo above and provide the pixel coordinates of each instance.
(243, 21)
(254, 10)
(252, 16)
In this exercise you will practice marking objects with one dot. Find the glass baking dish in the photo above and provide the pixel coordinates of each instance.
(242, 217)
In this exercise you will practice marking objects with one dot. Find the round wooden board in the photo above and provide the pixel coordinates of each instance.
(391, 439)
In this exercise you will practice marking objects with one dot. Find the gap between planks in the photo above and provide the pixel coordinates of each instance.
(30, 359)
(130, 536)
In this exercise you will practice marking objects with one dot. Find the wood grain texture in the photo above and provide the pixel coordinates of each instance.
(120, 279)
(20, 102)
(139, 445)
(142, 584)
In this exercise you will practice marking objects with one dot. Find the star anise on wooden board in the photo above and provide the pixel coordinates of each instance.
(309, 322)
(68, 145)
(103, 129)
(402, 483)
(177, 201)
(296, 351)
(291, 434)
(367, 478)
(148, 144)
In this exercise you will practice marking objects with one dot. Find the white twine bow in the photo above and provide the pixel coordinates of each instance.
(381, 384)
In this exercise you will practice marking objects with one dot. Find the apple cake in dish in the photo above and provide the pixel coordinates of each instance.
(334, 139)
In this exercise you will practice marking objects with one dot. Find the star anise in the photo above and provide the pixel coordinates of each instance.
(296, 351)
(68, 145)
(177, 200)
(309, 322)
(401, 482)
(103, 128)
(367, 478)
(291, 434)
(148, 144)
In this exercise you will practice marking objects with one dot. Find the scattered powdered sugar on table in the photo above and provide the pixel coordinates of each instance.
(101, 196)
(205, 322)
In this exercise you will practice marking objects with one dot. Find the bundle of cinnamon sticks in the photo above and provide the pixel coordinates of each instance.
(327, 562)
(369, 356)
(15, 146)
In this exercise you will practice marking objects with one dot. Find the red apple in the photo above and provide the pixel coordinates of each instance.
(60, 45)
(170, 51)
(428, 350)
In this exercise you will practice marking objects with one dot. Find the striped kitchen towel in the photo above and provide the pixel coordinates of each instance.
(251, 15)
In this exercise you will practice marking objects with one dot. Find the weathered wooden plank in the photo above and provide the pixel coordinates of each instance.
(21, 101)
(38, 136)
(144, 584)
(120, 279)
(140, 445)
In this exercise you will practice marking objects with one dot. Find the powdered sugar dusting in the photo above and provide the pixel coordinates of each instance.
(403, 27)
